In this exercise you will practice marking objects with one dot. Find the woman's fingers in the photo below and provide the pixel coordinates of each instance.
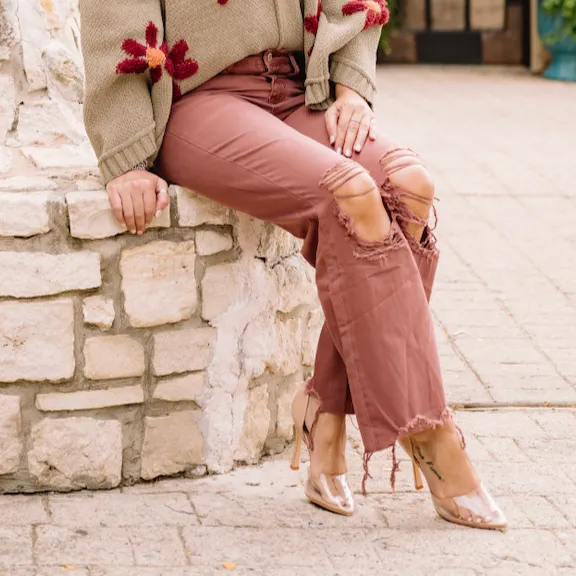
(162, 196)
(149, 199)
(352, 132)
(373, 134)
(127, 206)
(138, 193)
(116, 203)
(362, 135)
(343, 124)
(331, 118)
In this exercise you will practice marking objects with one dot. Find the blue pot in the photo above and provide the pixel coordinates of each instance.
(563, 52)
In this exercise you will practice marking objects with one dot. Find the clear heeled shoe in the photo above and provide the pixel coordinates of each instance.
(329, 491)
(476, 509)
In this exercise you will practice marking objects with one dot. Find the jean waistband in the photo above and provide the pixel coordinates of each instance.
(270, 62)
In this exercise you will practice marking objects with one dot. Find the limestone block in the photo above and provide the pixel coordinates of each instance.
(288, 356)
(285, 422)
(108, 357)
(6, 158)
(24, 215)
(159, 283)
(187, 388)
(77, 159)
(99, 311)
(43, 123)
(182, 350)
(259, 344)
(36, 341)
(7, 105)
(193, 210)
(91, 216)
(35, 37)
(296, 284)
(9, 27)
(311, 337)
(256, 426)
(64, 72)
(265, 240)
(26, 183)
(75, 453)
(211, 242)
(172, 444)
(10, 441)
(90, 399)
(29, 274)
(238, 288)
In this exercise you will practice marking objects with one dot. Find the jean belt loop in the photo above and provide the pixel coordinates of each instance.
(294, 62)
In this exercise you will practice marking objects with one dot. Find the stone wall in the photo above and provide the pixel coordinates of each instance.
(122, 357)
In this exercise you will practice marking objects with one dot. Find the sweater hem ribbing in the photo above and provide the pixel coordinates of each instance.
(353, 78)
(125, 157)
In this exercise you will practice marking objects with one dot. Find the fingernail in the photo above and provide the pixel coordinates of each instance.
(358, 148)
(348, 152)
(339, 151)
(132, 231)
(332, 139)
(373, 137)
(158, 214)
(140, 232)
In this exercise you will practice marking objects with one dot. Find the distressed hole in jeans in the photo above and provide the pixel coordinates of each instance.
(360, 209)
(397, 199)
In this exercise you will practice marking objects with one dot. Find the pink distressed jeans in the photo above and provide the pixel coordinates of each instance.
(246, 140)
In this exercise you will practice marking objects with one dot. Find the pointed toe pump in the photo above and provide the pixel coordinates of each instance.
(475, 508)
(329, 491)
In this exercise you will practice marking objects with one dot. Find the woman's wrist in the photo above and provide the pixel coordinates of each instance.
(141, 166)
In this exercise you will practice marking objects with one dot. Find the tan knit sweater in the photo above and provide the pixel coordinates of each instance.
(140, 55)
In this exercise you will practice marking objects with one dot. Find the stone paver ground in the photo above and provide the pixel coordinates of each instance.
(501, 146)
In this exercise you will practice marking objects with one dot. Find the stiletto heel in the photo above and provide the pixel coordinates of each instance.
(295, 464)
(483, 512)
(418, 483)
(318, 489)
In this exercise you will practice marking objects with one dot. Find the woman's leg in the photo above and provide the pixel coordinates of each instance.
(366, 275)
(410, 195)
(408, 192)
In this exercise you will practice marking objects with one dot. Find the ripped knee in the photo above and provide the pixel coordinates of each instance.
(359, 199)
(415, 180)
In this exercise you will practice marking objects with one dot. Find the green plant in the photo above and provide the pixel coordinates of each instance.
(565, 12)
(393, 24)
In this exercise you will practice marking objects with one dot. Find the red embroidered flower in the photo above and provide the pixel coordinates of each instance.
(144, 57)
(180, 67)
(222, 2)
(377, 13)
(311, 23)
(150, 57)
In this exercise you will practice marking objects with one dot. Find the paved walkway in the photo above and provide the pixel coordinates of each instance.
(501, 145)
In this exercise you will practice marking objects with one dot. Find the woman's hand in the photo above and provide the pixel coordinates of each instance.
(350, 121)
(136, 197)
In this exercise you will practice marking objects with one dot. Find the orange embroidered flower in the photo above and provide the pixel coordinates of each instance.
(377, 13)
(155, 57)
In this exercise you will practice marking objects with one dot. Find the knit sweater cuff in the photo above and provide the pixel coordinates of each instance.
(318, 96)
(123, 158)
(346, 74)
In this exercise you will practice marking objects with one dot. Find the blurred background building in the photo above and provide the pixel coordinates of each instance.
(465, 32)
